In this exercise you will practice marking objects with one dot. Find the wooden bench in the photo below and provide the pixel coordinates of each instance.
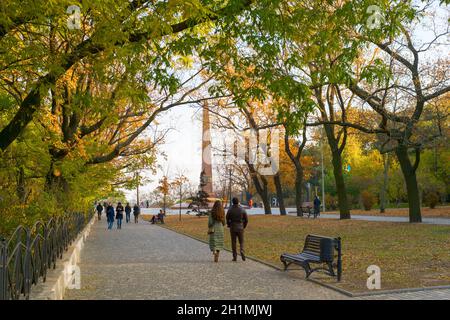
(307, 208)
(324, 251)
(157, 220)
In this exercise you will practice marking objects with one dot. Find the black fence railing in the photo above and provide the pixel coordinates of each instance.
(29, 252)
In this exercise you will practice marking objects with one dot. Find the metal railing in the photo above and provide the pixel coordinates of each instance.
(29, 252)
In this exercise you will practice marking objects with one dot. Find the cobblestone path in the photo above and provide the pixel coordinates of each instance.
(143, 261)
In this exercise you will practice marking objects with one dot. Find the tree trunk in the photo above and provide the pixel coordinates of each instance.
(164, 203)
(263, 193)
(55, 182)
(277, 181)
(266, 203)
(409, 174)
(298, 193)
(265, 198)
(261, 188)
(383, 192)
(21, 119)
(340, 186)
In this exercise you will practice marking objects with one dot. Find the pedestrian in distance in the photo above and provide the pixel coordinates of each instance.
(136, 212)
(216, 221)
(317, 204)
(99, 211)
(127, 212)
(161, 216)
(119, 215)
(237, 221)
(110, 216)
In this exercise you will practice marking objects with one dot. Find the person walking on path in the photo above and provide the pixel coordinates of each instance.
(99, 211)
(110, 216)
(161, 216)
(216, 221)
(119, 215)
(127, 212)
(317, 204)
(237, 221)
(136, 212)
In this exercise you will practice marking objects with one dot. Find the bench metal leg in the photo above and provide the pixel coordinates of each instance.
(330, 269)
(285, 263)
(308, 270)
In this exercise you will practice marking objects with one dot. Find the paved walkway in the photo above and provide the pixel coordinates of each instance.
(144, 261)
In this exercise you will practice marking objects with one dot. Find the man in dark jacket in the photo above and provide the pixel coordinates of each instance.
(119, 215)
(237, 221)
(99, 211)
(136, 212)
(317, 204)
(110, 215)
(127, 212)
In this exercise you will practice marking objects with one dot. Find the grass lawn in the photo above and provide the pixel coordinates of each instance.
(409, 255)
(438, 212)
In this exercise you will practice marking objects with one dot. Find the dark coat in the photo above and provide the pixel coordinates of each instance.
(99, 208)
(110, 213)
(119, 212)
(127, 209)
(317, 206)
(237, 218)
(136, 210)
(317, 203)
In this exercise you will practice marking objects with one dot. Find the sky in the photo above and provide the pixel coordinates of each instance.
(182, 148)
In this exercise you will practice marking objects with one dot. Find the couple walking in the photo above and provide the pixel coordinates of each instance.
(236, 219)
(119, 214)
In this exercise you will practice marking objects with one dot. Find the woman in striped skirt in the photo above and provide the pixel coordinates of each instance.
(216, 222)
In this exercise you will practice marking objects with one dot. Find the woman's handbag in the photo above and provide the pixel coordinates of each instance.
(210, 230)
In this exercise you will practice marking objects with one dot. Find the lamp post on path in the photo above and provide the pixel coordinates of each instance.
(137, 187)
(323, 175)
(229, 188)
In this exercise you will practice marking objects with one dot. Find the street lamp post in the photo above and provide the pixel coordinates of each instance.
(137, 188)
(229, 188)
(180, 202)
(323, 178)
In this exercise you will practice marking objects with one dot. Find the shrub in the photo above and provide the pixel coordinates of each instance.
(368, 199)
(330, 202)
(431, 199)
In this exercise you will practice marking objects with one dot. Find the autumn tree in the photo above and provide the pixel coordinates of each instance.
(400, 83)
(164, 189)
(107, 29)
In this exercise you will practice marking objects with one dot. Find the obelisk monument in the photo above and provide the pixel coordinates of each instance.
(206, 174)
